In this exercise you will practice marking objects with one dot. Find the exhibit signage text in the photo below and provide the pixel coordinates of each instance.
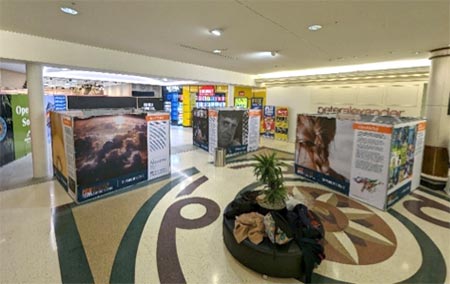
(352, 110)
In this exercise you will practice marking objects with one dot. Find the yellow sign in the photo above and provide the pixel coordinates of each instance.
(221, 89)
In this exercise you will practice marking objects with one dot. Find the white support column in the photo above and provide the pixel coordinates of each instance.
(436, 154)
(438, 130)
(230, 97)
(38, 121)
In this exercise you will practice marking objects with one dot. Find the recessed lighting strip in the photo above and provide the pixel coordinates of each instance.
(349, 68)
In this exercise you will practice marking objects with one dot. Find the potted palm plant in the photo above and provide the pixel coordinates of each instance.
(267, 169)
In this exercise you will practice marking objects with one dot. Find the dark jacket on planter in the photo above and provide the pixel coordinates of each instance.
(308, 233)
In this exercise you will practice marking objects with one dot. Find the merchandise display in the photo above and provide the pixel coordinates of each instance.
(173, 103)
(209, 98)
(188, 105)
(269, 121)
(281, 123)
(241, 102)
(97, 152)
(256, 103)
(375, 159)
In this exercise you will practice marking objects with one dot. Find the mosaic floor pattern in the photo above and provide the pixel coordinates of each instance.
(170, 231)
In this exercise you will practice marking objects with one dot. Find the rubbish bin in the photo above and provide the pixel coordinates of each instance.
(219, 157)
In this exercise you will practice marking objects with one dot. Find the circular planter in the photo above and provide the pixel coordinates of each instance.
(266, 258)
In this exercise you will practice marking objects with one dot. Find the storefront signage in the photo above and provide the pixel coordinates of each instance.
(352, 110)
(222, 89)
(206, 91)
(193, 89)
(21, 122)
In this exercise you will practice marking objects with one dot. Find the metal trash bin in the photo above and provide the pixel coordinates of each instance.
(220, 157)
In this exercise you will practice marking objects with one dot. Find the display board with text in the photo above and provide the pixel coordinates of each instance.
(373, 159)
(96, 153)
(15, 133)
(236, 130)
(200, 128)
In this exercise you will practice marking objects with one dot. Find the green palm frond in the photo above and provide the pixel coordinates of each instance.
(267, 170)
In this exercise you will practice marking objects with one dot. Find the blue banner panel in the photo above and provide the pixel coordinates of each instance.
(326, 180)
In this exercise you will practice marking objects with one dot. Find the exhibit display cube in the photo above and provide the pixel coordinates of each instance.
(97, 152)
(235, 130)
(374, 159)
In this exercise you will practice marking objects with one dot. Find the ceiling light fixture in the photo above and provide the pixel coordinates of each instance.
(349, 68)
(216, 32)
(165, 79)
(314, 27)
(69, 11)
(217, 51)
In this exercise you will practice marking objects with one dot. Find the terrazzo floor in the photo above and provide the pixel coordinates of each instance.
(170, 231)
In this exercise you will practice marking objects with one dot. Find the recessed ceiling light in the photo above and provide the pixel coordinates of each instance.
(217, 51)
(417, 52)
(69, 11)
(216, 32)
(314, 27)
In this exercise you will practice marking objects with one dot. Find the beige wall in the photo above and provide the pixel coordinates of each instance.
(405, 97)
(123, 90)
(11, 80)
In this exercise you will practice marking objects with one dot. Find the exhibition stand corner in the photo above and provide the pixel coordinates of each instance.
(96, 152)
(374, 159)
(233, 129)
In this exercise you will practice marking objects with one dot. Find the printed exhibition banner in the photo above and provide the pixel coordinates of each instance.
(49, 102)
(6, 131)
(281, 123)
(232, 130)
(213, 116)
(418, 154)
(269, 121)
(254, 116)
(158, 145)
(200, 128)
(401, 166)
(21, 125)
(372, 145)
(110, 152)
(323, 150)
(58, 148)
(69, 150)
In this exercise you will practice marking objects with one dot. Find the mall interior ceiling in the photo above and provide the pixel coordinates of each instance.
(256, 36)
